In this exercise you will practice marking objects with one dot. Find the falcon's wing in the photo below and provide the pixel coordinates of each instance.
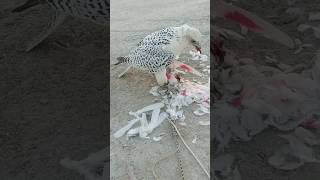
(158, 38)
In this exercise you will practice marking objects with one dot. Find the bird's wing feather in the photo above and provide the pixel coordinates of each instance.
(150, 58)
(158, 38)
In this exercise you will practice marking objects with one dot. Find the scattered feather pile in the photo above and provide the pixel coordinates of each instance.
(277, 95)
(94, 167)
(145, 127)
(257, 97)
(197, 56)
(225, 168)
(297, 152)
(170, 105)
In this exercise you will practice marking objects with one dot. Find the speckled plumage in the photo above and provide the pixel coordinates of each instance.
(150, 53)
(162, 37)
(150, 58)
(159, 49)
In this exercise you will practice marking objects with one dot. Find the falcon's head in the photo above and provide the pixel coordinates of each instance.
(193, 36)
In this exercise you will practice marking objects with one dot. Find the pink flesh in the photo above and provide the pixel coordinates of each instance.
(186, 67)
(236, 102)
(309, 123)
(184, 93)
(243, 20)
(198, 49)
(168, 75)
(245, 94)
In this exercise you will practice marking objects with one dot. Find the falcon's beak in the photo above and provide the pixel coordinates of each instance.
(197, 46)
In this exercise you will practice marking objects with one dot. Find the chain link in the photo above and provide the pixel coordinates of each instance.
(179, 155)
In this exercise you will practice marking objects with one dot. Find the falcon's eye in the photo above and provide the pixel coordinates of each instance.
(193, 41)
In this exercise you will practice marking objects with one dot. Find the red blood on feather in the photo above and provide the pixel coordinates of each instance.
(168, 75)
(236, 102)
(185, 67)
(309, 123)
(243, 20)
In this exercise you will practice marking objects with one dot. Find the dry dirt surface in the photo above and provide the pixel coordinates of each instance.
(52, 99)
(135, 158)
(252, 156)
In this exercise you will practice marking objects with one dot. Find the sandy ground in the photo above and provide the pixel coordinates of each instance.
(130, 22)
(252, 156)
(52, 100)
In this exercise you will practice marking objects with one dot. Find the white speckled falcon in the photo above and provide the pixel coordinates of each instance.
(160, 49)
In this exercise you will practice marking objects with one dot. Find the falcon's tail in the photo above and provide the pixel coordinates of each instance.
(27, 5)
(121, 60)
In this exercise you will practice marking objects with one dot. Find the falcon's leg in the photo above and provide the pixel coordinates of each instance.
(161, 77)
(124, 72)
(55, 21)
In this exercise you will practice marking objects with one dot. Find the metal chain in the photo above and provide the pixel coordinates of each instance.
(179, 155)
